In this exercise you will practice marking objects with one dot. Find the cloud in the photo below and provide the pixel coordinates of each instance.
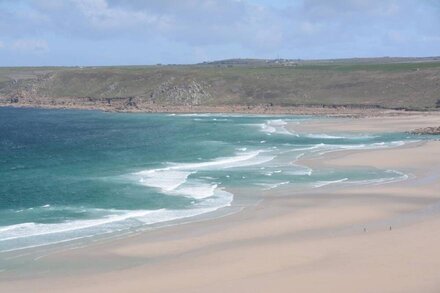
(191, 22)
(30, 45)
(100, 15)
(192, 29)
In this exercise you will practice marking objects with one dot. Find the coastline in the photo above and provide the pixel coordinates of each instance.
(349, 111)
(287, 242)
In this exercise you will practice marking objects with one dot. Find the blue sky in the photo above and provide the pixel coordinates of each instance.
(117, 32)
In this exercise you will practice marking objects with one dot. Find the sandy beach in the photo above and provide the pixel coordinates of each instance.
(359, 238)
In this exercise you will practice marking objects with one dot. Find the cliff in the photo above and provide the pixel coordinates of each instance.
(364, 84)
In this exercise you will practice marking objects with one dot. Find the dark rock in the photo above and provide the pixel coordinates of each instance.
(131, 102)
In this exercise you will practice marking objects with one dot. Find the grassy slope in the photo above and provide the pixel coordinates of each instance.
(412, 85)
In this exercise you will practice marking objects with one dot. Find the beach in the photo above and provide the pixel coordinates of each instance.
(219, 146)
(348, 238)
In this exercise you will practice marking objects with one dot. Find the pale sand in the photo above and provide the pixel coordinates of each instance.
(390, 123)
(291, 242)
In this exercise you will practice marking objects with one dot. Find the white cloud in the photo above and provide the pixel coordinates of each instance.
(30, 45)
(2, 45)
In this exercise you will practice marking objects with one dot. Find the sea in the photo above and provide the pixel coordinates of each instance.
(75, 174)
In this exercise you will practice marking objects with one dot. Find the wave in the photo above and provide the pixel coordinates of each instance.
(222, 115)
(197, 115)
(174, 178)
(270, 186)
(239, 160)
(277, 126)
(197, 190)
(323, 148)
(327, 148)
(384, 180)
(401, 177)
(325, 183)
(351, 137)
(164, 179)
(32, 234)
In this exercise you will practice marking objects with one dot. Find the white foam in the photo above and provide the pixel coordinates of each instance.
(198, 115)
(240, 160)
(224, 115)
(269, 186)
(220, 119)
(170, 178)
(301, 172)
(270, 173)
(112, 222)
(166, 179)
(313, 147)
(378, 145)
(299, 156)
(325, 183)
(277, 126)
(323, 148)
(196, 190)
(36, 229)
(267, 128)
(328, 136)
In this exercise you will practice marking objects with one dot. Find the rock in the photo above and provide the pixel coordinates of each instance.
(427, 130)
(131, 102)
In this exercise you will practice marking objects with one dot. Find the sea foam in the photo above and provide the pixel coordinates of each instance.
(38, 234)
(277, 126)
(174, 178)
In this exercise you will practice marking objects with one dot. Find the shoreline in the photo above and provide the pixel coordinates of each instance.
(286, 242)
(318, 110)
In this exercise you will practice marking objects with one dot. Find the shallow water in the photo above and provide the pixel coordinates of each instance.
(68, 174)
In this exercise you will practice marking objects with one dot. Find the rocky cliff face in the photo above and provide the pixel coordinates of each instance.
(191, 93)
(108, 90)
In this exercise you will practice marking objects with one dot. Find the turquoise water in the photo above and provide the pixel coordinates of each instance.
(67, 174)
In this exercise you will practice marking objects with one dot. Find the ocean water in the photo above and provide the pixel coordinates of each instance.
(68, 174)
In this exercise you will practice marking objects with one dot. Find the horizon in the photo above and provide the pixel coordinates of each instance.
(39, 33)
(208, 62)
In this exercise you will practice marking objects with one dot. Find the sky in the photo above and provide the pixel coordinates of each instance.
(137, 32)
